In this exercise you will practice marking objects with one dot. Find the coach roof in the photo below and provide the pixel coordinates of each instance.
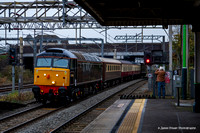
(125, 62)
(108, 60)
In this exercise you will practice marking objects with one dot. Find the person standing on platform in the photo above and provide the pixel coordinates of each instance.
(161, 81)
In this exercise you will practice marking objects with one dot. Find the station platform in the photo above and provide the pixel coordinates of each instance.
(145, 116)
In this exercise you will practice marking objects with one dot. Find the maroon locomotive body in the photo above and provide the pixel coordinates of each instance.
(64, 75)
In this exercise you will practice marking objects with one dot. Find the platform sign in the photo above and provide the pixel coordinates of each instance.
(177, 81)
(175, 72)
(150, 75)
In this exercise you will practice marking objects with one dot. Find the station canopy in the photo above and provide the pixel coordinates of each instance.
(143, 12)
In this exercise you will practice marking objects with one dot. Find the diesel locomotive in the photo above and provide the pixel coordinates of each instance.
(62, 75)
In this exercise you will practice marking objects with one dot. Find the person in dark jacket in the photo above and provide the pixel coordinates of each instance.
(161, 81)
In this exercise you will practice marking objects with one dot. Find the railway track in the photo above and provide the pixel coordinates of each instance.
(41, 118)
(6, 88)
(15, 121)
(80, 121)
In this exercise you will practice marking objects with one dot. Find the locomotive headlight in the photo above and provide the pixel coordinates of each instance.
(56, 75)
(53, 82)
(45, 74)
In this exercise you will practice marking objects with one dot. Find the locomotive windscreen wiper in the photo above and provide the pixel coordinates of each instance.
(45, 58)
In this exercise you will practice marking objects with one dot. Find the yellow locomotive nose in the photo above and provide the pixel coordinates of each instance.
(52, 76)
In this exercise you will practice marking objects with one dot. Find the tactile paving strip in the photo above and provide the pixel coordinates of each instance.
(132, 120)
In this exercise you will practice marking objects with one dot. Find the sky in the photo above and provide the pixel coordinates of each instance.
(89, 33)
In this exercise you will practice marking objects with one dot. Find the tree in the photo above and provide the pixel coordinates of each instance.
(176, 46)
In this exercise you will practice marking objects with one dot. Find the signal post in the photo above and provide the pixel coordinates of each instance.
(12, 59)
(148, 62)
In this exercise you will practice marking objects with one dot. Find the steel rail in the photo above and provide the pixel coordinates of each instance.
(20, 113)
(32, 120)
(87, 110)
(9, 88)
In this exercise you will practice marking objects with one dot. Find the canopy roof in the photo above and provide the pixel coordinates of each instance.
(143, 12)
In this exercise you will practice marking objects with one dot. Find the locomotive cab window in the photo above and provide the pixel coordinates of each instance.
(62, 63)
(44, 62)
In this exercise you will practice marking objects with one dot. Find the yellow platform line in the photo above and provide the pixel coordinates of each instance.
(137, 122)
(131, 121)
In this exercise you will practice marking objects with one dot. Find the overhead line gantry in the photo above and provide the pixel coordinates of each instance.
(50, 15)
